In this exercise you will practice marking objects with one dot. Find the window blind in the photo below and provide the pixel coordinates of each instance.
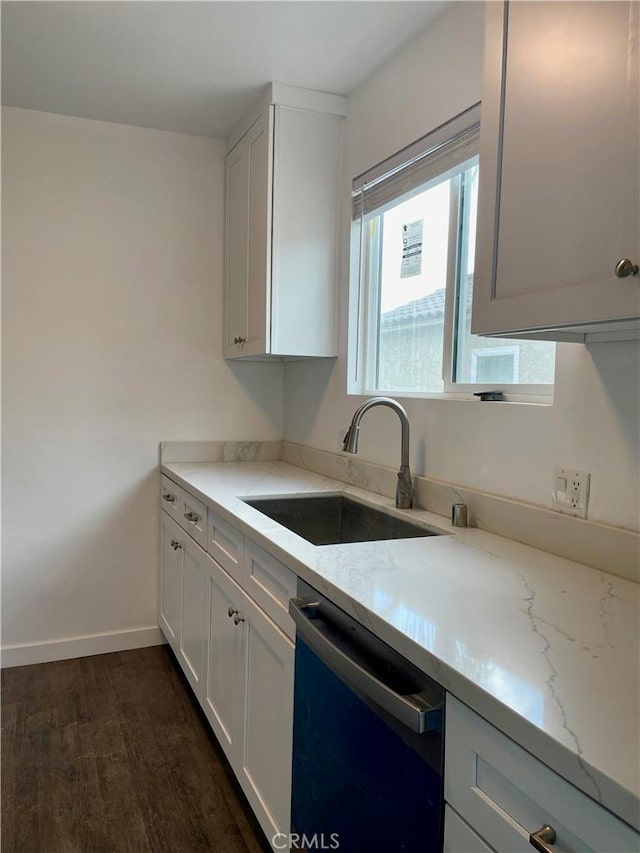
(429, 157)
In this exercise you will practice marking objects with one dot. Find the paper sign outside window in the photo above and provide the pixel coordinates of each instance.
(411, 249)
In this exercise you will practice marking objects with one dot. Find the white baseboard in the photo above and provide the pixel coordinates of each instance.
(78, 647)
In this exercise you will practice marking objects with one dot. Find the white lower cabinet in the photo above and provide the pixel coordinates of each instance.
(236, 652)
(181, 604)
(505, 795)
(225, 654)
(248, 697)
(192, 632)
(267, 700)
(170, 598)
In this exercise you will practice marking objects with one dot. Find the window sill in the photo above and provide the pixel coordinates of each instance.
(458, 396)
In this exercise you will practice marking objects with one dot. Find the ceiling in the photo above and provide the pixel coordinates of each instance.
(193, 67)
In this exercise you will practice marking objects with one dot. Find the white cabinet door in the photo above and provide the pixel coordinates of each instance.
(304, 255)
(559, 160)
(225, 656)
(260, 143)
(235, 250)
(281, 202)
(267, 695)
(170, 599)
(191, 651)
(248, 174)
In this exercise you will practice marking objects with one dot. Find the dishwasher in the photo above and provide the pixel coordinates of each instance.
(368, 742)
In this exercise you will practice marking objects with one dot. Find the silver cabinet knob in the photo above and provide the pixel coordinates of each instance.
(541, 839)
(234, 614)
(175, 544)
(625, 268)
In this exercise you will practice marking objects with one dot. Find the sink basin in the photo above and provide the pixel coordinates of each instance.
(336, 519)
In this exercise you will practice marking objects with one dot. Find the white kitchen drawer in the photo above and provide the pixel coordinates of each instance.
(270, 584)
(226, 545)
(459, 837)
(505, 793)
(194, 518)
(170, 497)
(189, 512)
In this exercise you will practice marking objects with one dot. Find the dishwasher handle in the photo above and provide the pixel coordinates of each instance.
(413, 710)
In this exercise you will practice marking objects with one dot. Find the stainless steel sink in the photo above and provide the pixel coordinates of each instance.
(336, 519)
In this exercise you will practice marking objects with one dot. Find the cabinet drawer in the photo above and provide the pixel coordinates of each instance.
(189, 512)
(505, 793)
(459, 836)
(170, 497)
(226, 545)
(270, 584)
(193, 517)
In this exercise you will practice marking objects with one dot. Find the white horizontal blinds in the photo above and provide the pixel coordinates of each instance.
(429, 158)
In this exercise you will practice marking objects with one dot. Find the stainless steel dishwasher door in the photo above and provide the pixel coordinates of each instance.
(367, 739)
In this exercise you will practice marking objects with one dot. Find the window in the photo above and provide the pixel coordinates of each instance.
(495, 364)
(413, 251)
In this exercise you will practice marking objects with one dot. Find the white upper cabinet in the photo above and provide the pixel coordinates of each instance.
(281, 203)
(559, 193)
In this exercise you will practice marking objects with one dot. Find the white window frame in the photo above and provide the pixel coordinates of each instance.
(364, 299)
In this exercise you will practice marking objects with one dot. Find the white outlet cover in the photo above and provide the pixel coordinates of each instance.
(570, 491)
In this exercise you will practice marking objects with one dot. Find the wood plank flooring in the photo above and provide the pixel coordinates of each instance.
(111, 753)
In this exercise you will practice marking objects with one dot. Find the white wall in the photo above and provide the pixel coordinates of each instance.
(508, 449)
(112, 342)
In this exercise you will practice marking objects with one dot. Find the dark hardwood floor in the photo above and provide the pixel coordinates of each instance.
(111, 753)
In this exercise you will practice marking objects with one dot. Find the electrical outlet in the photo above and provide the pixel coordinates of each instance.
(570, 491)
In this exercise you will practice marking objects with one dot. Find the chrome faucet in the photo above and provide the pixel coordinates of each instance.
(404, 489)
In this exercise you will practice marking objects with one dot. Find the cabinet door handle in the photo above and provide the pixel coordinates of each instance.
(625, 268)
(541, 839)
(169, 498)
(175, 544)
(239, 340)
(237, 619)
(192, 517)
(232, 612)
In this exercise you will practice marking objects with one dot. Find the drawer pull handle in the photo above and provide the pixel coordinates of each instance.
(192, 517)
(169, 498)
(175, 544)
(625, 268)
(234, 614)
(541, 839)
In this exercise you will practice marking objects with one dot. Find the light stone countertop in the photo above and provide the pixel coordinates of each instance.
(545, 649)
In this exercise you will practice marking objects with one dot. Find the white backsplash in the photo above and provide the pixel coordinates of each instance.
(601, 546)
(220, 451)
